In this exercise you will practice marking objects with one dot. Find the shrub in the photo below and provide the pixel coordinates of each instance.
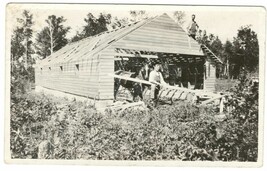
(240, 140)
(182, 131)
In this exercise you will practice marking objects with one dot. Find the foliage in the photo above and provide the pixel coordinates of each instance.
(211, 41)
(246, 50)
(243, 119)
(17, 47)
(179, 17)
(21, 79)
(21, 43)
(52, 37)
(117, 23)
(177, 132)
(241, 53)
(22, 72)
(93, 26)
(137, 15)
(224, 85)
(227, 53)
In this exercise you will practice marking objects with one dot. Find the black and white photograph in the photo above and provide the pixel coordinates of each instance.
(118, 84)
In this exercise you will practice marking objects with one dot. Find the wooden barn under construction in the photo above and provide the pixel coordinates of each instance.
(81, 68)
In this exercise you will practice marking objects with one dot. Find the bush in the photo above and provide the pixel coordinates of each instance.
(21, 79)
(240, 141)
(78, 131)
(55, 128)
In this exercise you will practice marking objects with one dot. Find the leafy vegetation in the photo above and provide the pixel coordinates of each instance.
(241, 53)
(21, 40)
(224, 85)
(75, 130)
(94, 25)
(52, 37)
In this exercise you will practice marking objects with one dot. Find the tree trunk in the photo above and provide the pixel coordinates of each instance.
(51, 40)
(26, 53)
(227, 67)
(12, 63)
(51, 37)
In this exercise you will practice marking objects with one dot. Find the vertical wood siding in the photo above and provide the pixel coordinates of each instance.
(106, 83)
(210, 80)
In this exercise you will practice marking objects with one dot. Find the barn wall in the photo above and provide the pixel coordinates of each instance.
(79, 80)
(210, 78)
(106, 82)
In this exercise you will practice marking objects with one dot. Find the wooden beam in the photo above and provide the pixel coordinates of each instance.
(149, 83)
(130, 79)
(212, 99)
(118, 59)
(210, 52)
(134, 55)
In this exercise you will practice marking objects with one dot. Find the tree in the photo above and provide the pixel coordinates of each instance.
(179, 17)
(52, 37)
(93, 26)
(211, 41)
(103, 21)
(78, 36)
(134, 16)
(228, 52)
(138, 15)
(117, 23)
(246, 47)
(203, 38)
(21, 43)
(215, 45)
(17, 46)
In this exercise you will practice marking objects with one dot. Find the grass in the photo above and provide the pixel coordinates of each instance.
(223, 85)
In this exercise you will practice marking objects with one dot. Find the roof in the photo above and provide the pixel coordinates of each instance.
(127, 37)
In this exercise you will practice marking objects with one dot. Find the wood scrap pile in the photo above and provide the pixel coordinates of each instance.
(169, 94)
(124, 94)
(173, 93)
(120, 106)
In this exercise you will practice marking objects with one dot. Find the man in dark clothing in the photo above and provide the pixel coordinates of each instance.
(144, 72)
(192, 27)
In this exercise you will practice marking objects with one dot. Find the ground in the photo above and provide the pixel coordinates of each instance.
(223, 85)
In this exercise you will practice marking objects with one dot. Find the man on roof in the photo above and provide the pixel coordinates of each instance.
(192, 27)
(157, 80)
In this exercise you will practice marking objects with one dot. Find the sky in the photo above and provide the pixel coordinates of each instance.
(221, 21)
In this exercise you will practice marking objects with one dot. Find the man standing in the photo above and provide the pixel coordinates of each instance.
(192, 27)
(144, 72)
(156, 78)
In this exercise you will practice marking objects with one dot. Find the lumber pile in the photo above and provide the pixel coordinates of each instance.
(119, 107)
(174, 93)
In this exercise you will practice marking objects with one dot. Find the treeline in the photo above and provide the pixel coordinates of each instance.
(240, 54)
